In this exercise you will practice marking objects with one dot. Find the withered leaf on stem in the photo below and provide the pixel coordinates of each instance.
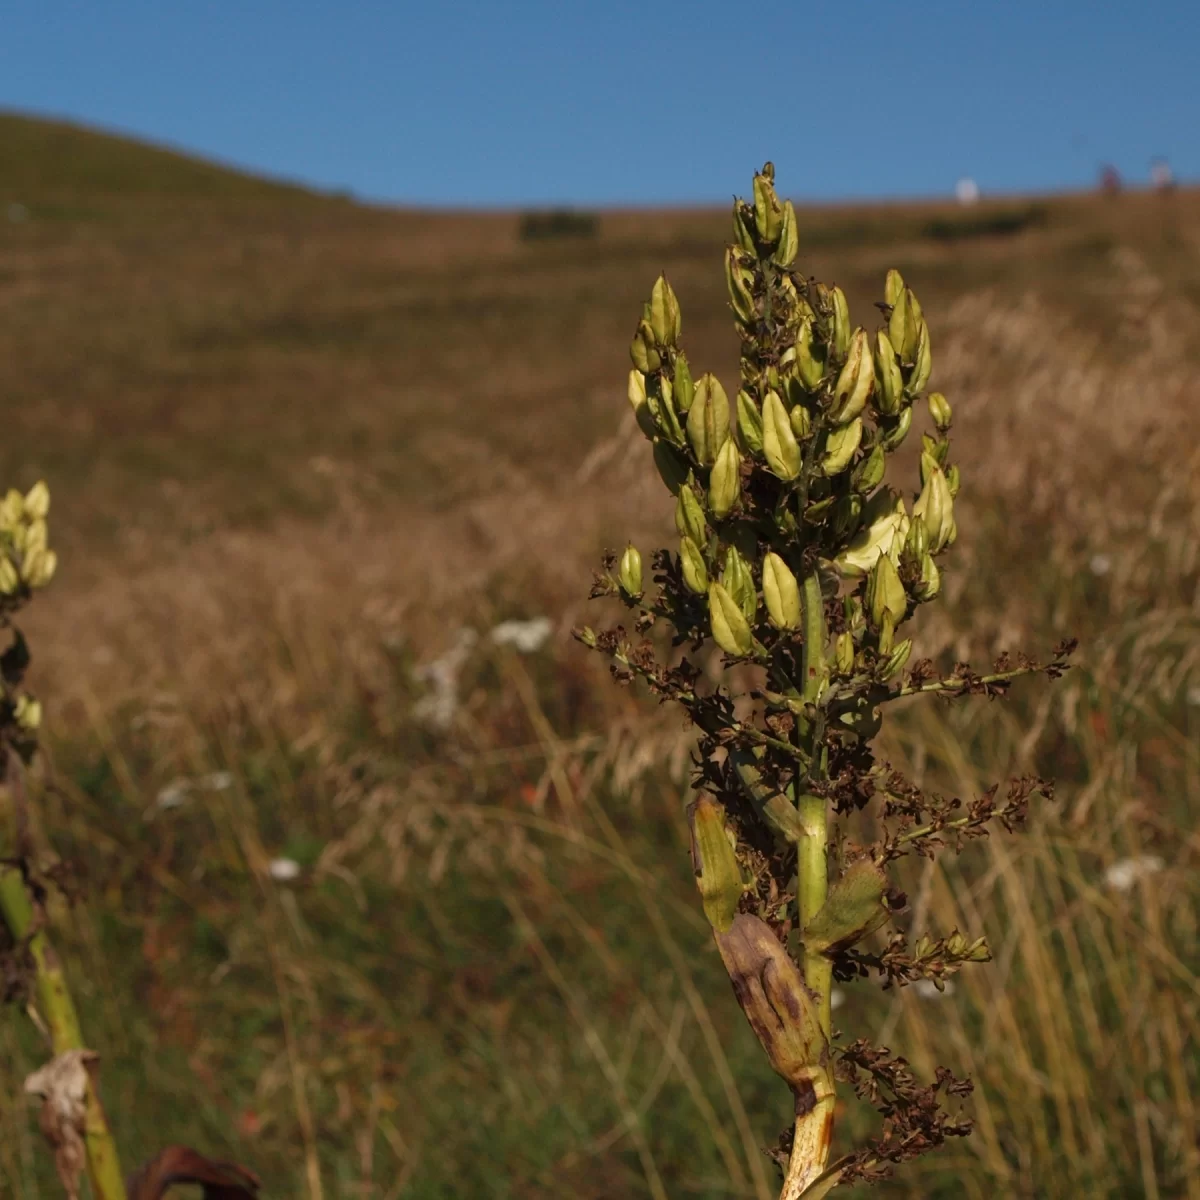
(179, 1164)
(62, 1084)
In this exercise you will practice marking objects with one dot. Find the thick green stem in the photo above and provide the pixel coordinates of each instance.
(58, 1011)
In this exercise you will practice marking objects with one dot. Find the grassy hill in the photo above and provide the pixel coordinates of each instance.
(298, 445)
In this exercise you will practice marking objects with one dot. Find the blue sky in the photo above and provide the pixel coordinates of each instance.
(512, 103)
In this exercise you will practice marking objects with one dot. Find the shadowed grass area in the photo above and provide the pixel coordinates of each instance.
(297, 444)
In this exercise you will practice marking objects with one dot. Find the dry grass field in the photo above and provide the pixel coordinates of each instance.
(301, 449)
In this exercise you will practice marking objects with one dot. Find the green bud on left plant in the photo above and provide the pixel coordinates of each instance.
(780, 447)
(739, 279)
(749, 423)
(730, 629)
(689, 514)
(885, 593)
(889, 391)
(939, 410)
(781, 592)
(935, 504)
(629, 574)
(855, 381)
(693, 567)
(725, 480)
(841, 446)
(737, 580)
(685, 389)
(665, 317)
(708, 419)
(10, 581)
(841, 321)
(789, 237)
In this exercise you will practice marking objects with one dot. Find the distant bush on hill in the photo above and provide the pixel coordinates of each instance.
(558, 223)
(985, 224)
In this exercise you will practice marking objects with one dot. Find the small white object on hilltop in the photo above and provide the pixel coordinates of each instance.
(966, 191)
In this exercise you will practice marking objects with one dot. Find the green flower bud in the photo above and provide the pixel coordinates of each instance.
(893, 289)
(892, 433)
(708, 419)
(37, 568)
(816, 512)
(730, 629)
(642, 350)
(939, 410)
(640, 403)
(37, 501)
(935, 448)
(12, 509)
(664, 313)
(843, 653)
(35, 537)
(868, 475)
(689, 515)
(629, 574)
(841, 446)
(872, 542)
(953, 480)
(664, 410)
(904, 326)
(930, 582)
(28, 713)
(725, 481)
(741, 229)
(841, 321)
(718, 876)
(685, 389)
(810, 356)
(789, 238)
(800, 421)
(896, 660)
(889, 391)
(10, 581)
(691, 561)
(768, 215)
(852, 610)
(935, 505)
(749, 423)
(781, 593)
(847, 515)
(916, 544)
(671, 467)
(779, 442)
(885, 593)
(854, 382)
(739, 279)
(739, 583)
(924, 363)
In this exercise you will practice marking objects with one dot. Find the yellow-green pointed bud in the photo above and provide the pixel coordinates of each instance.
(739, 279)
(685, 389)
(671, 467)
(10, 581)
(872, 542)
(885, 593)
(852, 609)
(930, 582)
(691, 562)
(664, 313)
(843, 653)
(642, 350)
(12, 509)
(37, 501)
(935, 449)
(739, 583)
(842, 329)
(904, 326)
(664, 410)
(953, 480)
(741, 230)
(35, 537)
(895, 433)
(855, 381)
(749, 423)
(893, 289)
(924, 363)
(768, 216)
(629, 574)
(800, 421)
(780, 448)
(718, 876)
(896, 660)
(689, 515)
(789, 238)
(28, 713)
(939, 410)
(810, 360)
(781, 593)
(639, 402)
(730, 629)
(868, 475)
(708, 419)
(935, 504)
(916, 543)
(725, 481)
(889, 390)
(38, 566)
(841, 446)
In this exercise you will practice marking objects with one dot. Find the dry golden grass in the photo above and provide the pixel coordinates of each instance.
(295, 445)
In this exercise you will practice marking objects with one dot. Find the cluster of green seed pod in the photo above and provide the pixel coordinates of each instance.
(792, 471)
(26, 560)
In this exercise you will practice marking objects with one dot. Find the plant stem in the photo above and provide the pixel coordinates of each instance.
(25, 924)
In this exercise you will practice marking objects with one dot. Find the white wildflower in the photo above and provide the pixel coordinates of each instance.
(283, 870)
(1100, 564)
(1122, 875)
(523, 636)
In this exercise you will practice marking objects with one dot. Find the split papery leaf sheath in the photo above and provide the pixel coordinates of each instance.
(797, 558)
